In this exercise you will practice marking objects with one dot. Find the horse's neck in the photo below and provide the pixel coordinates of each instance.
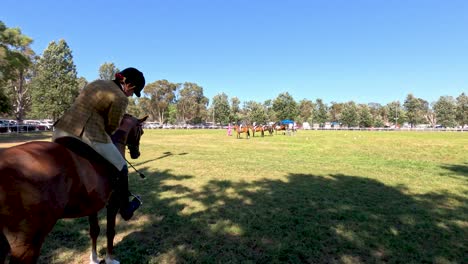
(126, 126)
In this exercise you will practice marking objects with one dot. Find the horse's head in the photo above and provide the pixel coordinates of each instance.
(134, 134)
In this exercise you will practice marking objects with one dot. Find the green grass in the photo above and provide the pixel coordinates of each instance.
(315, 197)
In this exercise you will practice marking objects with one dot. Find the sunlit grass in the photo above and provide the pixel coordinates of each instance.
(315, 197)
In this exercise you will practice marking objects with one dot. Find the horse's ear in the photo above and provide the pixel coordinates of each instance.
(143, 119)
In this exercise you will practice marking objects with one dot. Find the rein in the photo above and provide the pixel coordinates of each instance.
(120, 137)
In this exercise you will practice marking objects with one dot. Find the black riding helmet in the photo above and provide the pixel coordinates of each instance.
(134, 77)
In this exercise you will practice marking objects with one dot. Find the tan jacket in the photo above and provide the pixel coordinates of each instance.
(97, 110)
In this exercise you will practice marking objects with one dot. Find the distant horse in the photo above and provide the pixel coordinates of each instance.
(257, 129)
(262, 129)
(279, 127)
(41, 182)
(268, 128)
(243, 129)
(287, 128)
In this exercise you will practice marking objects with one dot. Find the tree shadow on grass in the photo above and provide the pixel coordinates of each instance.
(459, 170)
(306, 219)
(165, 155)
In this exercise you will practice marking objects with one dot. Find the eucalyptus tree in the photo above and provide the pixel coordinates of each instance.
(445, 109)
(378, 121)
(335, 112)
(255, 112)
(416, 110)
(305, 110)
(133, 107)
(145, 105)
(172, 114)
(271, 114)
(55, 85)
(285, 106)
(350, 115)
(5, 105)
(161, 94)
(192, 104)
(462, 109)
(365, 116)
(82, 82)
(376, 110)
(320, 112)
(16, 58)
(395, 113)
(384, 115)
(235, 109)
(431, 117)
(221, 108)
(107, 71)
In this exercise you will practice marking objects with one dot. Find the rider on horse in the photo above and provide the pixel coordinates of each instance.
(95, 115)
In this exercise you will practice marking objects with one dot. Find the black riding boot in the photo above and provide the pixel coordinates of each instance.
(126, 208)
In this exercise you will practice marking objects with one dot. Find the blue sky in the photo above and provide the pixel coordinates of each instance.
(336, 50)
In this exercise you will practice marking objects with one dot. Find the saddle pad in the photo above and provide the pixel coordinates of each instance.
(84, 150)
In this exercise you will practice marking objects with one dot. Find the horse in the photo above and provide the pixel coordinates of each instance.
(42, 182)
(257, 129)
(262, 129)
(279, 127)
(113, 206)
(268, 128)
(243, 129)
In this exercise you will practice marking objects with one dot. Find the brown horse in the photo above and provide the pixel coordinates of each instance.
(133, 144)
(243, 129)
(262, 129)
(287, 128)
(279, 127)
(256, 129)
(268, 128)
(41, 182)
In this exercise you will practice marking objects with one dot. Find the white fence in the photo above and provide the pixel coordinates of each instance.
(396, 129)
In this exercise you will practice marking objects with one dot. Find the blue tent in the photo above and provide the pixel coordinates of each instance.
(287, 121)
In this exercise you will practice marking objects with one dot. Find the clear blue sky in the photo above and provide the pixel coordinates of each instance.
(336, 50)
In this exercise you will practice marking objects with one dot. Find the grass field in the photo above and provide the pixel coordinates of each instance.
(315, 197)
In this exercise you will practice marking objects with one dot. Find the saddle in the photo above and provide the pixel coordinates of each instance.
(83, 150)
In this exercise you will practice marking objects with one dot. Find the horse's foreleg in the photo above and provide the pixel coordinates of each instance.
(4, 248)
(25, 245)
(24, 254)
(94, 231)
(112, 210)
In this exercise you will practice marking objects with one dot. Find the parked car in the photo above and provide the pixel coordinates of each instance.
(4, 126)
(29, 124)
(152, 125)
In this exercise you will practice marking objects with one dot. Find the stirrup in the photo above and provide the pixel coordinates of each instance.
(137, 197)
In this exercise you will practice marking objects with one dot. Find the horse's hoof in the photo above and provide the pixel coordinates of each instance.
(93, 259)
(111, 261)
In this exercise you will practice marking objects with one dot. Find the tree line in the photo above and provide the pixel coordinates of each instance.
(43, 86)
